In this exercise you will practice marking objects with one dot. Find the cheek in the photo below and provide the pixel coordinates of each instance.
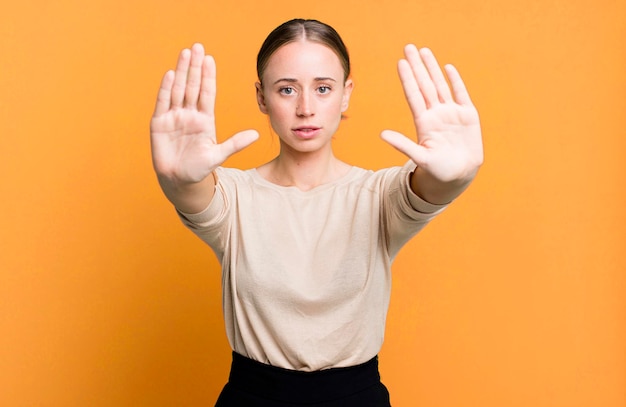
(279, 106)
(279, 118)
(277, 114)
(335, 108)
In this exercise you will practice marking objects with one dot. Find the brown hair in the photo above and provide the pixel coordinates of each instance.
(311, 30)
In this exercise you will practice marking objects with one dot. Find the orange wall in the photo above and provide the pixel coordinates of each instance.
(514, 297)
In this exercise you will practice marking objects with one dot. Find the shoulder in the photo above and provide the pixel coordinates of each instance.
(234, 178)
(233, 173)
(385, 178)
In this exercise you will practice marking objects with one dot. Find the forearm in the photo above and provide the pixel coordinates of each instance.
(189, 197)
(435, 191)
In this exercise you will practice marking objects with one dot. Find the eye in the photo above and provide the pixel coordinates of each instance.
(287, 90)
(324, 89)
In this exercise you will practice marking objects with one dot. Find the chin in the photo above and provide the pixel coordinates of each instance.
(306, 146)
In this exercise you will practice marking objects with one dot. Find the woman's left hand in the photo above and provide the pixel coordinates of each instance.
(449, 150)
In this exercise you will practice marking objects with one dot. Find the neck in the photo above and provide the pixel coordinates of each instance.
(304, 170)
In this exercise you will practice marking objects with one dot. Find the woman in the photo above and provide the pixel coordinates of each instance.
(306, 240)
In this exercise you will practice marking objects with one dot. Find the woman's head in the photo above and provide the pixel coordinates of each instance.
(300, 29)
(303, 86)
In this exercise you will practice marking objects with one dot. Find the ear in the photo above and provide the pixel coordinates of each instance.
(260, 97)
(347, 91)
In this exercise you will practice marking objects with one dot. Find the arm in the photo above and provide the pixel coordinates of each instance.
(448, 151)
(182, 133)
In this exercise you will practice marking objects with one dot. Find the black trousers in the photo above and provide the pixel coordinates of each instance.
(255, 384)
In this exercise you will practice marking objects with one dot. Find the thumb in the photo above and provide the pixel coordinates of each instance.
(406, 146)
(238, 142)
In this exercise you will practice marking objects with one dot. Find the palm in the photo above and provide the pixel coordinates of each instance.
(184, 141)
(449, 145)
(184, 146)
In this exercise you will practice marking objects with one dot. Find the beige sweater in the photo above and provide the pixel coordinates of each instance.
(306, 276)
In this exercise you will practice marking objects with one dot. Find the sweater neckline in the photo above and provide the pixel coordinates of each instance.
(348, 176)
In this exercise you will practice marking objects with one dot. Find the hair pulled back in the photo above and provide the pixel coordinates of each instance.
(297, 29)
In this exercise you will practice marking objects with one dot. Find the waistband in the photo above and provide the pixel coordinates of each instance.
(287, 385)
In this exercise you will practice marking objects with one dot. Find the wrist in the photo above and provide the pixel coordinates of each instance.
(435, 191)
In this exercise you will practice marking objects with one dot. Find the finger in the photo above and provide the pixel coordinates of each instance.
(208, 85)
(424, 81)
(194, 76)
(180, 80)
(461, 95)
(443, 90)
(412, 92)
(238, 142)
(164, 95)
(406, 146)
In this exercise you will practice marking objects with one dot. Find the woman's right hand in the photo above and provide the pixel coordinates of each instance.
(182, 129)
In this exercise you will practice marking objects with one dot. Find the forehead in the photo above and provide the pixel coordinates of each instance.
(303, 60)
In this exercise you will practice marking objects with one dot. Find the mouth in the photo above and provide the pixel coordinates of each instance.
(306, 132)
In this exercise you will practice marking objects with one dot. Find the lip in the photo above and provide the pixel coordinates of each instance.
(306, 132)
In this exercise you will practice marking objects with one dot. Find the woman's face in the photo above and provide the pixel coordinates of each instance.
(304, 94)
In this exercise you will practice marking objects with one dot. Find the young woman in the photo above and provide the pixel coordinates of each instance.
(306, 240)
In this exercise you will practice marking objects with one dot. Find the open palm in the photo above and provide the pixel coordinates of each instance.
(182, 129)
(449, 141)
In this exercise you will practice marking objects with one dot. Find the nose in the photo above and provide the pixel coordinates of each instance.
(304, 107)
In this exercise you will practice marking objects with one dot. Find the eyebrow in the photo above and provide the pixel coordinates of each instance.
(293, 80)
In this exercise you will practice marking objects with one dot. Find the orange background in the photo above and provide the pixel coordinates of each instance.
(514, 297)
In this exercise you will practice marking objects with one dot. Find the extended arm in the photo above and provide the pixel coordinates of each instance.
(449, 150)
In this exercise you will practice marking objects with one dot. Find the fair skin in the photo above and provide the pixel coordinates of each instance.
(304, 94)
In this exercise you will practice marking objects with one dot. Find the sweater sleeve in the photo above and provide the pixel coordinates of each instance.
(212, 224)
(404, 213)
